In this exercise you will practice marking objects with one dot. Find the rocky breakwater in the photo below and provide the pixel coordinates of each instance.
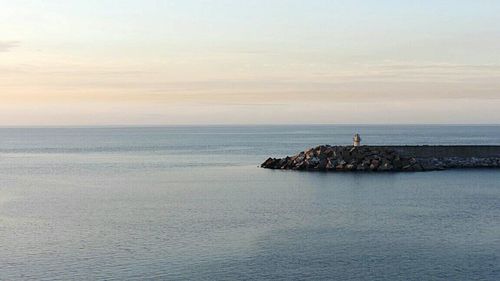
(372, 158)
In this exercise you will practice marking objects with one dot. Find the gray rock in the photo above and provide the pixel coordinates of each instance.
(366, 158)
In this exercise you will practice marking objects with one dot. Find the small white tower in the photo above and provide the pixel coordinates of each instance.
(356, 140)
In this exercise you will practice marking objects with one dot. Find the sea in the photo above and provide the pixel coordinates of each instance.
(191, 203)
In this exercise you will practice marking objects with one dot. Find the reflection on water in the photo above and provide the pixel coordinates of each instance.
(108, 206)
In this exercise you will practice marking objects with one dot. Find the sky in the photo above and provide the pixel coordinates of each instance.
(145, 62)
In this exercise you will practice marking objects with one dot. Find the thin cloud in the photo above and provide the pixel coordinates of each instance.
(6, 46)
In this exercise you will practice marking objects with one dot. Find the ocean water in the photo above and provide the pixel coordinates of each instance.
(190, 203)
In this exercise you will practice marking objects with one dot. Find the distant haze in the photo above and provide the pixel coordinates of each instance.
(102, 62)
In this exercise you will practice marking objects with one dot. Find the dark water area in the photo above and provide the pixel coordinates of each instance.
(190, 203)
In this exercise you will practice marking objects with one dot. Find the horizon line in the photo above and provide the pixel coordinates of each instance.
(236, 124)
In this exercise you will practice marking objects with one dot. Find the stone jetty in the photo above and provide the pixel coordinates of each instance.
(388, 158)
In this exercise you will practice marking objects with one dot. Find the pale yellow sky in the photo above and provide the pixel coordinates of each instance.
(220, 62)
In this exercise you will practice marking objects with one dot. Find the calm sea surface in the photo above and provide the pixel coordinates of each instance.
(190, 203)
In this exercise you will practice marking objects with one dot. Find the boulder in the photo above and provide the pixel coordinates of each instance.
(366, 158)
(350, 167)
